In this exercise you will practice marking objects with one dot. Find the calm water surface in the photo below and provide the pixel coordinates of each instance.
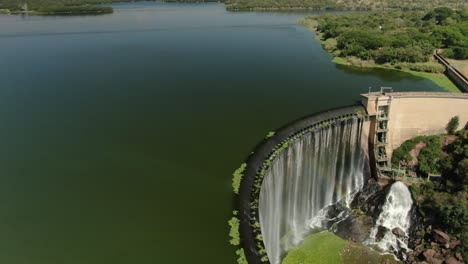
(120, 132)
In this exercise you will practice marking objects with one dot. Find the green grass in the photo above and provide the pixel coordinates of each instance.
(322, 247)
(327, 248)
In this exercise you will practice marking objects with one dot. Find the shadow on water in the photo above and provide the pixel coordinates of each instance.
(387, 75)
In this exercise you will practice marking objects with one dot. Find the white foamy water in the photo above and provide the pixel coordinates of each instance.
(395, 214)
(317, 170)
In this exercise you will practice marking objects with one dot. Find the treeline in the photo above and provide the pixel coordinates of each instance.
(56, 6)
(397, 36)
(63, 7)
(344, 4)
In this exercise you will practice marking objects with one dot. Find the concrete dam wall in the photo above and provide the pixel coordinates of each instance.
(405, 115)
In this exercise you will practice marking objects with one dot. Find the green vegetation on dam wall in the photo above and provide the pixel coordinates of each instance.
(247, 180)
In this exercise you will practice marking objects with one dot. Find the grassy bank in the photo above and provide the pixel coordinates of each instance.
(327, 248)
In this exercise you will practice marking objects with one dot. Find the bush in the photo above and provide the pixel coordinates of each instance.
(453, 124)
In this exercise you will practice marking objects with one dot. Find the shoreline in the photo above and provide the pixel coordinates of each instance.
(439, 79)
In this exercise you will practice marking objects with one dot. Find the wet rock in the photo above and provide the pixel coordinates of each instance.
(398, 232)
(440, 236)
(452, 260)
(381, 231)
(356, 227)
(371, 198)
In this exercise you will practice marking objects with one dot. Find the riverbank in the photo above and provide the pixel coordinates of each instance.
(430, 70)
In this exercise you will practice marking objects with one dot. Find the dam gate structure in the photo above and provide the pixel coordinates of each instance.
(400, 116)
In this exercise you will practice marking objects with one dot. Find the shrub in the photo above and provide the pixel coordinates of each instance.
(453, 124)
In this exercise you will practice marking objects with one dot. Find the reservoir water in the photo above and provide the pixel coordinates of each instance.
(119, 133)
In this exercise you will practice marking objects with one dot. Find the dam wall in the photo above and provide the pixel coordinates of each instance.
(345, 121)
(410, 114)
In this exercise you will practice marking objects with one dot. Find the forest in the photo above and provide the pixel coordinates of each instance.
(403, 39)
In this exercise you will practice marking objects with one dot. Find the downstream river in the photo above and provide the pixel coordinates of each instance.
(119, 133)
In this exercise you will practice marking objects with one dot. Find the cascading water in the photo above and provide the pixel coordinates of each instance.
(317, 170)
(396, 213)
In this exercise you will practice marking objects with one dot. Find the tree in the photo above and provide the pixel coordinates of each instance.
(453, 124)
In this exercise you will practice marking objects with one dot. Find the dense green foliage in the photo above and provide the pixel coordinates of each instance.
(397, 37)
(429, 156)
(445, 205)
(342, 4)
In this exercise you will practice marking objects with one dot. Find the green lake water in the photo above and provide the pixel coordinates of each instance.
(119, 133)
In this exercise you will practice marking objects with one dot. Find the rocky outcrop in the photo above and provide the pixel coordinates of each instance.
(440, 237)
(437, 248)
(371, 198)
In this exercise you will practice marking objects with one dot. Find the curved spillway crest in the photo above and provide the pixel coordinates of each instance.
(317, 170)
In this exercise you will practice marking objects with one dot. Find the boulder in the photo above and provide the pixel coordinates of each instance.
(435, 261)
(452, 260)
(440, 236)
(398, 232)
(429, 253)
(455, 243)
(418, 249)
(356, 227)
(381, 231)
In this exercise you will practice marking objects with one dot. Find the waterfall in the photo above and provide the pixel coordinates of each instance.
(395, 214)
(317, 170)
